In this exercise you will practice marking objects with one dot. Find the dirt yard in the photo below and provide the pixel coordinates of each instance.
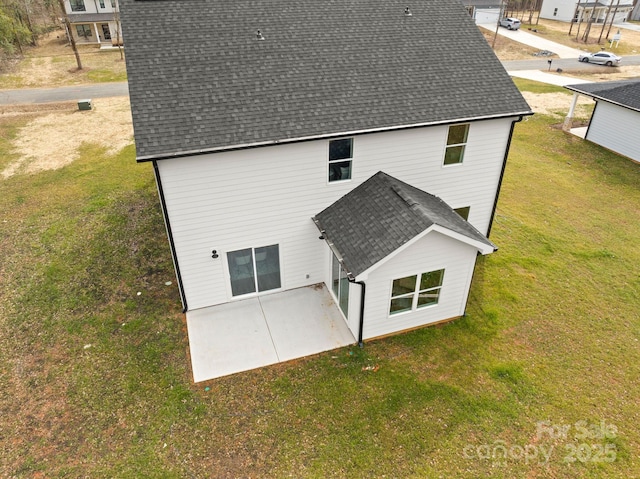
(51, 139)
(52, 63)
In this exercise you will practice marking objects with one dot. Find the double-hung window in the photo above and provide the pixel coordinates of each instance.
(417, 291)
(77, 5)
(340, 159)
(456, 143)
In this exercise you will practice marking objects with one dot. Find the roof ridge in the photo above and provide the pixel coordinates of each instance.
(414, 205)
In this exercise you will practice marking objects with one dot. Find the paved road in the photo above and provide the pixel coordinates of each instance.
(106, 90)
(48, 95)
(567, 64)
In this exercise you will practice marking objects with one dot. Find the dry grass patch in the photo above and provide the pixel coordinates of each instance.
(53, 140)
(559, 32)
(52, 63)
(554, 103)
(507, 49)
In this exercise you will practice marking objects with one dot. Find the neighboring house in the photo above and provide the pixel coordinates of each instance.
(577, 11)
(615, 121)
(484, 11)
(635, 13)
(298, 143)
(94, 21)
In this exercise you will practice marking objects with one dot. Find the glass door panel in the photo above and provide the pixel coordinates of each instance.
(267, 267)
(241, 272)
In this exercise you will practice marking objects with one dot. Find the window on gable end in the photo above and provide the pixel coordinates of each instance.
(340, 159)
(456, 143)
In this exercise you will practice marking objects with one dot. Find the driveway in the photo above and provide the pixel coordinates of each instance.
(535, 41)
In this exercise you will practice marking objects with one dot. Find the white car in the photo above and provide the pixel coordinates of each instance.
(510, 23)
(603, 58)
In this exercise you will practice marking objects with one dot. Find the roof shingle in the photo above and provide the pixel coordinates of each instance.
(200, 80)
(625, 93)
(381, 215)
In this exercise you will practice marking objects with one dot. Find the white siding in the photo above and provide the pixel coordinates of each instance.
(431, 253)
(616, 128)
(262, 196)
(566, 9)
(486, 15)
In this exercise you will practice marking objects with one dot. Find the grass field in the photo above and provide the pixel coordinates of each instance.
(539, 380)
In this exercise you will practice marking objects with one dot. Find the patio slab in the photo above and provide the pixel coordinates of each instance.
(252, 333)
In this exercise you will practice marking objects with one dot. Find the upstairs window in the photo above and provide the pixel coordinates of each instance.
(340, 158)
(414, 292)
(77, 5)
(456, 142)
(101, 3)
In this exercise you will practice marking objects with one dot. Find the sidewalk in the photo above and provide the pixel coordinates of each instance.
(550, 78)
(535, 41)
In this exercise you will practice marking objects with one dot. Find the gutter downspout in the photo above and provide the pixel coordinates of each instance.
(172, 245)
(361, 325)
(504, 166)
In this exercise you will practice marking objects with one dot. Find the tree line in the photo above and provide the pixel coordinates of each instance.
(23, 21)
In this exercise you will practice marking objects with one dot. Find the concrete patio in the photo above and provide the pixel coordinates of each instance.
(256, 332)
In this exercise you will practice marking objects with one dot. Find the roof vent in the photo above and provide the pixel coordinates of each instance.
(259, 35)
(407, 12)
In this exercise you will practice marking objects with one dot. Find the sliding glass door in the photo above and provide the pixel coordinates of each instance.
(340, 285)
(254, 269)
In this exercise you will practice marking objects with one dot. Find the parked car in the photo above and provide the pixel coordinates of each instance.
(603, 58)
(510, 23)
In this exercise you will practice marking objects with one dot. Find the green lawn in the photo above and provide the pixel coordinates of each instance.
(94, 356)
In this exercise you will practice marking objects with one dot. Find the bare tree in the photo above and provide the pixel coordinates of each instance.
(72, 40)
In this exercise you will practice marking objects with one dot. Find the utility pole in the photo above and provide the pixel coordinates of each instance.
(72, 40)
(495, 35)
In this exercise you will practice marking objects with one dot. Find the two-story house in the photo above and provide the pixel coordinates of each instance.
(94, 21)
(357, 144)
(609, 11)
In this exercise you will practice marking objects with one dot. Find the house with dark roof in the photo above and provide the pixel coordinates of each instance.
(354, 146)
(484, 11)
(94, 21)
(615, 121)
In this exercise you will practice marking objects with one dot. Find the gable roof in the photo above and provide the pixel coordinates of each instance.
(383, 214)
(200, 80)
(625, 93)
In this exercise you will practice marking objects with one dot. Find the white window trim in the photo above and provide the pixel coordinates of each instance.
(329, 162)
(227, 272)
(446, 146)
(415, 294)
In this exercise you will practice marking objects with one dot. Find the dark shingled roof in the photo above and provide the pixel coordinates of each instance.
(200, 80)
(625, 93)
(90, 17)
(382, 214)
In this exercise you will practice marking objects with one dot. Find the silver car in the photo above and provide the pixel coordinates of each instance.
(510, 23)
(603, 58)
